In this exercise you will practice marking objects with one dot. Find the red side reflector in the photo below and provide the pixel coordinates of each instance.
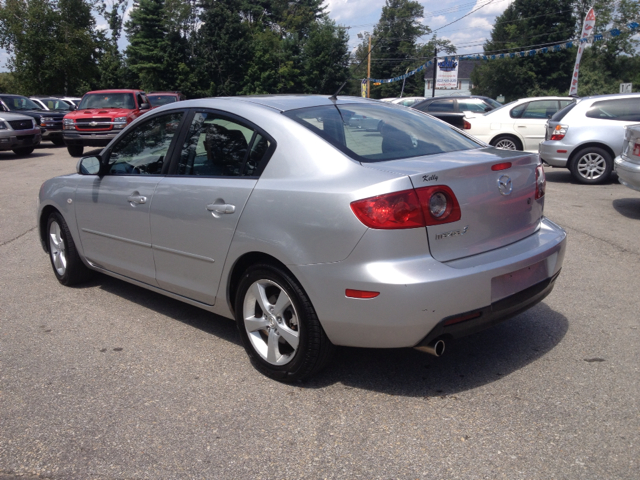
(501, 166)
(462, 318)
(349, 293)
(562, 151)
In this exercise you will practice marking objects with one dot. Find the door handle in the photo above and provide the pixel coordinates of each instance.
(139, 199)
(221, 208)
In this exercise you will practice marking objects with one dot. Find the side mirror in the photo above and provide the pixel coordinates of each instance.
(145, 106)
(89, 165)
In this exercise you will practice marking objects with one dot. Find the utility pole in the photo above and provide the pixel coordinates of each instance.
(369, 69)
(435, 69)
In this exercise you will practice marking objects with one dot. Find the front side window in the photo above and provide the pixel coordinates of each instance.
(107, 100)
(219, 147)
(623, 109)
(143, 149)
(387, 133)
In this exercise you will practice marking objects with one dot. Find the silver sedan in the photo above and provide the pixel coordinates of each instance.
(310, 233)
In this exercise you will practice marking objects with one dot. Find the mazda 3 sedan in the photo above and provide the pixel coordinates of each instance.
(275, 211)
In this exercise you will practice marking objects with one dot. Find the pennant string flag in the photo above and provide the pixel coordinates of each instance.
(633, 27)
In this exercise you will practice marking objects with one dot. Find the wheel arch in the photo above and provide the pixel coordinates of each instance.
(42, 224)
(579, 148)
(240, 266)
(508, 134)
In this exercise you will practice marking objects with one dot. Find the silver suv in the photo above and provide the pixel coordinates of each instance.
(586, 136)
(18, 133)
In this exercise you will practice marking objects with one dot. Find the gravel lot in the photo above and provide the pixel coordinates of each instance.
(111, 381)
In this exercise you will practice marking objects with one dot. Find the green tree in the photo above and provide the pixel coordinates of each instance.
(52, 45)
(524, 25)
(147, 33)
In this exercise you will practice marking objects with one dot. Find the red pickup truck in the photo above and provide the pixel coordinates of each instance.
(101, 115)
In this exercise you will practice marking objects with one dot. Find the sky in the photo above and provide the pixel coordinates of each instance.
(467, 34)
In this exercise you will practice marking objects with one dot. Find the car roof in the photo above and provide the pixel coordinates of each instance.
(116, 90)
(284, 103)
(606, 96)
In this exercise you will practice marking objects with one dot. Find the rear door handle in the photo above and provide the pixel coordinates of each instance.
(221, 208)
(139, 199)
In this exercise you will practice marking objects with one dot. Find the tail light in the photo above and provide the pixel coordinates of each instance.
(559, 132)
(413, 208)
(541, 182)
(466, 125)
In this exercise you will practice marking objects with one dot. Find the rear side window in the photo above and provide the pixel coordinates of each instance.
(441, 106)
(560, 114)
(623, 109)
(373, 133)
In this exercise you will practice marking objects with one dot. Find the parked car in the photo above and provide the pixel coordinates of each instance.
(310, 233)
(50, 122)
(407, 101)
(628, 162)
(75, 101)
(518, 125)
(157, 99)
(451, 109)
(101, 115)
(19, 133)
(53, 103)
(586, 136)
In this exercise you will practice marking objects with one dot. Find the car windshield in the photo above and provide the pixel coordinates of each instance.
(107, 100)
(56, 104)
(159, 100)
(374, 133)
(20, 103)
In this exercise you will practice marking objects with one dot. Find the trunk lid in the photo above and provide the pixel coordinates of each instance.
(489, 219)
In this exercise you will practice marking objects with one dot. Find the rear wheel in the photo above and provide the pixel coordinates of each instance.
(66, 263)
(507, 142)
(278, 325)
(57, 141)
(75, 150)
(23, 151)
(591, 165)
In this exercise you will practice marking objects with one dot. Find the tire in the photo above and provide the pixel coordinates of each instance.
(75, 150)
(282, 335)
(65, 261)
(591, 165)
(58, 142)
(507, 142)
(23, 151)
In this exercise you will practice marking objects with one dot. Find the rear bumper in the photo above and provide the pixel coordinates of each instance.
(93, 139)
(628, 173)
(548, 151)
(418, 294)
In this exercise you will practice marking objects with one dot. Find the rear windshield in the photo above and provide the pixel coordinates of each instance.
(108, 100)
(374, 133)
(560, 114)
(159, 100)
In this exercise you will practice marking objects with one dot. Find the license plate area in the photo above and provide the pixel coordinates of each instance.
(514, 282)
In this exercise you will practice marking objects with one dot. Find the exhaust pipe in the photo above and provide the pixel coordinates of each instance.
(435, 348)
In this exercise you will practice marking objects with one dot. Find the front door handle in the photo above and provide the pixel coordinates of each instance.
(221, 208)
(139, 199)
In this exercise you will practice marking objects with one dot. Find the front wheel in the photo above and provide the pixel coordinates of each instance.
(23, 151)
(507, 142)
(278, 325)
(66, 263)
(75, 150)
(591, 165)
(58, 142)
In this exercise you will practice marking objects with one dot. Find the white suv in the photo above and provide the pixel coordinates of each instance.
(585, 137)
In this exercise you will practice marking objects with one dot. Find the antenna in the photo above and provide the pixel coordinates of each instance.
(334, 97)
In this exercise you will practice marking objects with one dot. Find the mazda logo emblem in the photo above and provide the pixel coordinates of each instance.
(505, 186)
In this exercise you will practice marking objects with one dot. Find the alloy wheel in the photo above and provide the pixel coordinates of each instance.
(57, 248)
(271, 322)
(591, 166)
(506, 144)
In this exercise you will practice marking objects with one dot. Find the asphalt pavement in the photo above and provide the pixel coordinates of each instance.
(111, 381)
